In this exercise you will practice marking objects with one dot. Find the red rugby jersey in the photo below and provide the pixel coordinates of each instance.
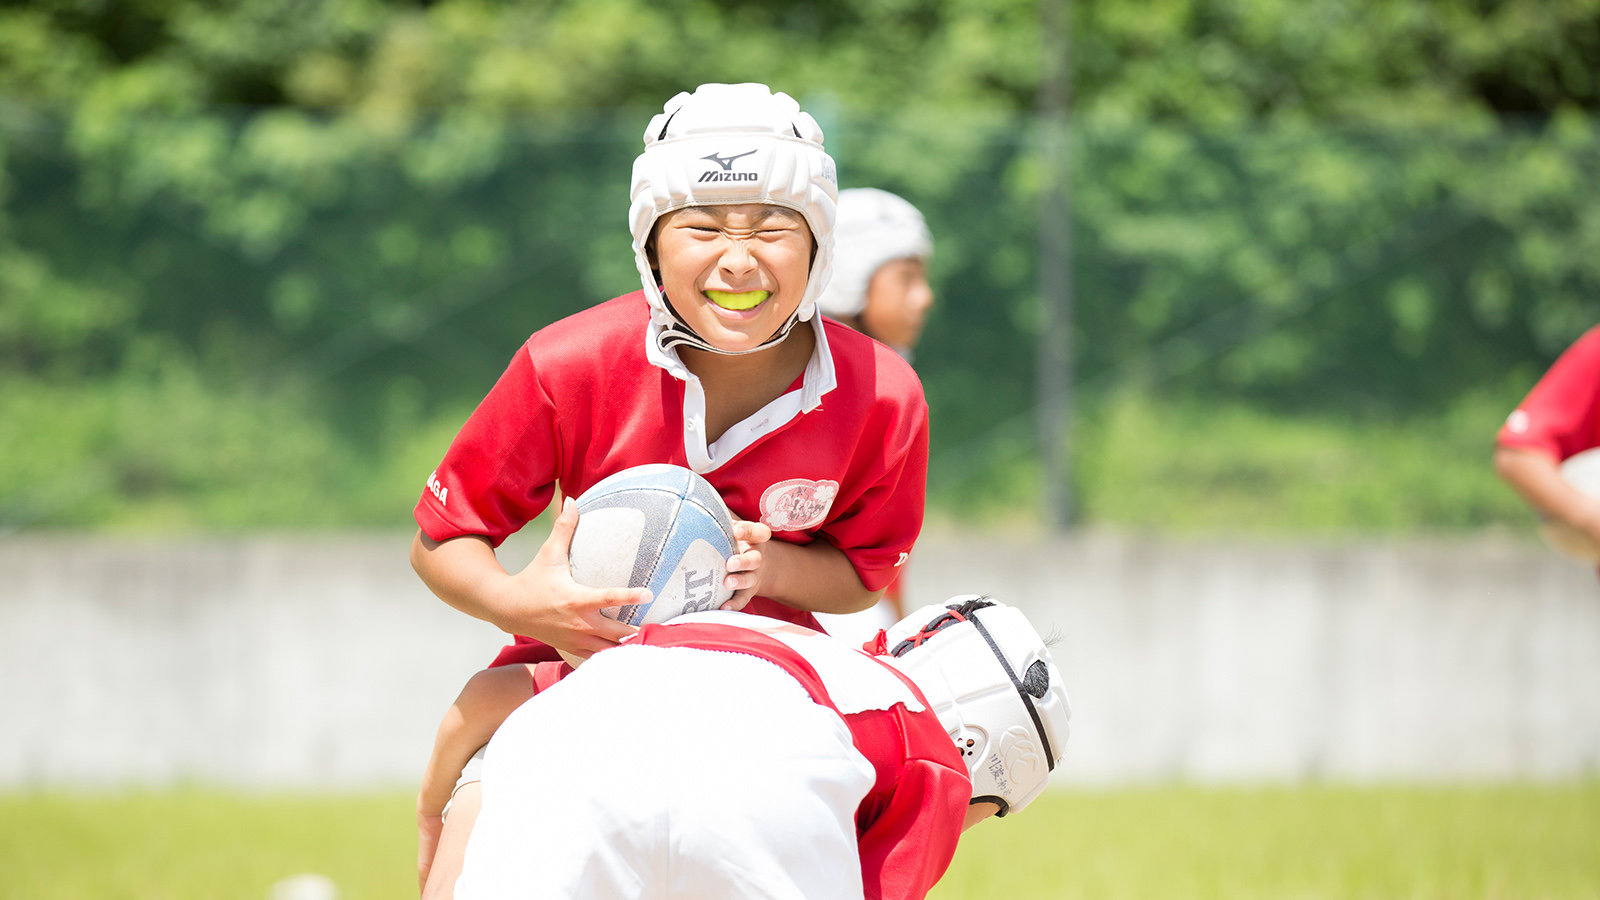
(841, 456)
(1561, 415)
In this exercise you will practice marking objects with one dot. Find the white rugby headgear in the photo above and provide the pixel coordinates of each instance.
(726, 144)
(991, 681)
(874, 227)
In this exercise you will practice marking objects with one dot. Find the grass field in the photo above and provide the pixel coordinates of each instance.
(1514, 842)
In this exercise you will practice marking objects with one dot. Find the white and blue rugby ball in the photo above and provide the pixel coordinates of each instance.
(660, 527)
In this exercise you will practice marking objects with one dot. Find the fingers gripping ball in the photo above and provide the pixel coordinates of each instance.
(660, 527)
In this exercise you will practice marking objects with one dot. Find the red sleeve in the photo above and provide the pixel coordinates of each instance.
(500, 470)
(877, 530)
(909, 844)
(527, 652)
(1561, 415)
(908, 824)
(546, 674)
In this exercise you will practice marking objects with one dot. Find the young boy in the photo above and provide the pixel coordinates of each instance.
(814, 435)
(843, 775)
(880, 288)
(880, 273)
(1559, 419)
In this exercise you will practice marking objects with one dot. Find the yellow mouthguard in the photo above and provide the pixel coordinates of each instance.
(740, 301)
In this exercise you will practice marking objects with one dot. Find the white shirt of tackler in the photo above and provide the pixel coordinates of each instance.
(855, 682)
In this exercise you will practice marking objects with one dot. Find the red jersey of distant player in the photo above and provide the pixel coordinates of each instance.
(908, 824)
(1561, 415)
(582, 400)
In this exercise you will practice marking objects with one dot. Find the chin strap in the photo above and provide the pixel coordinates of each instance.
(1031, 685)
(950, 616)
(677, 333)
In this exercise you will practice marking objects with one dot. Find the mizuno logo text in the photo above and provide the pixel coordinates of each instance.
(726, 176)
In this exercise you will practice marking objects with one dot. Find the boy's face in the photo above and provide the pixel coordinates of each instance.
(898, 299)
(734, 273)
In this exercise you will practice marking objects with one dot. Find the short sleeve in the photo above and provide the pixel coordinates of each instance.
(909, 845)
(877, 531)
(500, 471)
(1561, 415)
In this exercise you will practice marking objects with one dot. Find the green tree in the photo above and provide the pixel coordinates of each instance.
(339, 218)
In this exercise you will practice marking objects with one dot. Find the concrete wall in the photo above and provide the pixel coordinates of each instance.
(308, 662)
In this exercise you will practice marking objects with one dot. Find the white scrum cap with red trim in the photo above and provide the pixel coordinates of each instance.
(726, 144)
(990, 678)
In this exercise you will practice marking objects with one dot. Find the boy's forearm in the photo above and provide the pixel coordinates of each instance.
(463, 572)
(1537, 477)
(815, 576)
(444, 764)
(488, 698)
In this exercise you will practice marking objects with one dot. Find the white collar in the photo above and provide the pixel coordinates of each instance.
(819, 379)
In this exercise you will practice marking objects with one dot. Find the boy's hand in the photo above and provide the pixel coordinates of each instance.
(744, 567)
(559, 611)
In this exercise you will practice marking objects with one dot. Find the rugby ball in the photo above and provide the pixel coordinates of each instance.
(1582, 471)
(660, 527)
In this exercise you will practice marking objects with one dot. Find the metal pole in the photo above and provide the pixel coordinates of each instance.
(1055, 267)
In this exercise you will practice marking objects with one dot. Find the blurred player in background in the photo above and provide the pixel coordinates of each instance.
(1559, 419)
(880, 288)
(880, 268)
(843, 775)
(814, 436)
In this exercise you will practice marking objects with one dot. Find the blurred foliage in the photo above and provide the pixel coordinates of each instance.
(258, 260)
(1272, 473)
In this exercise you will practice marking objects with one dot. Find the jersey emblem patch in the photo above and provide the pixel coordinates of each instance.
(797, 504)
